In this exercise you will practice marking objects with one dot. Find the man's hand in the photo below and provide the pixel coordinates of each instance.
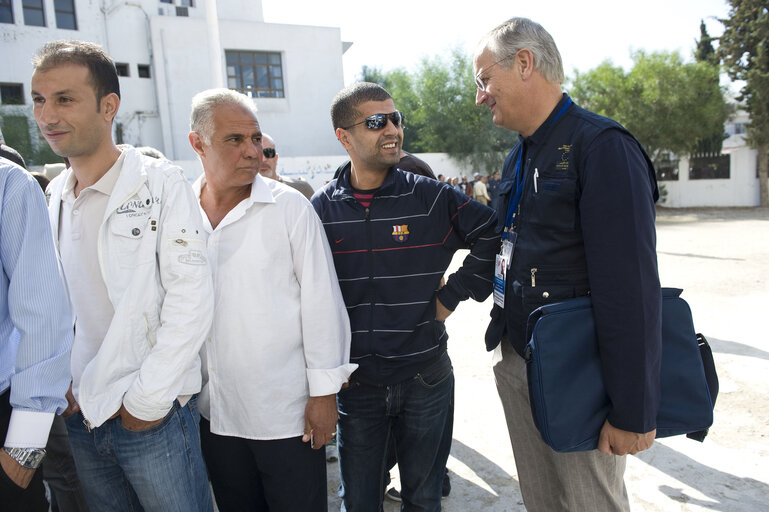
(441, 311)
(133, 423)
(19, 475)
(72, 405)
(320, 417)
(621, 442)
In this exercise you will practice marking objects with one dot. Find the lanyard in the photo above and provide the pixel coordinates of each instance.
(512, 205)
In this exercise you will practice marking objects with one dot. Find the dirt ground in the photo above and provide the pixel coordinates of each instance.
(720, 257)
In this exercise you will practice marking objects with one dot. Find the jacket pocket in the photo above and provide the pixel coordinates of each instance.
(554, 204)
(130, 241)
(185, 250)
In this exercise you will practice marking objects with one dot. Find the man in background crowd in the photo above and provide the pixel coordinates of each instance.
(269, 167)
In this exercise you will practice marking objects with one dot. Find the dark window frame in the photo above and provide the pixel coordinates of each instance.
(260, 63)
(7, 6)
(62, 14)
(123, 69)
(34, 8)
(20, 95)
(143, 71)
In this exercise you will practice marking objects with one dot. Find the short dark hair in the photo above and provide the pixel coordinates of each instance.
(344, 106)
(101, 69)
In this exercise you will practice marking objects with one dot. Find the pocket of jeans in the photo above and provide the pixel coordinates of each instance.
(154, 428)
(435, 375)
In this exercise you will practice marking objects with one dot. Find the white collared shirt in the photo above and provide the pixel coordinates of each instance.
(79, 221)
(280, 332)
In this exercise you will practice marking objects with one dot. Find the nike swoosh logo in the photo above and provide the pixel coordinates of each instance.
(337, 241)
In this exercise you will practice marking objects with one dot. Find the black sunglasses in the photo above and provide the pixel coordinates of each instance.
(268, 152)
(379, 121)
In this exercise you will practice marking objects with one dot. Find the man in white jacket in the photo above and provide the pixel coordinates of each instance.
(133, 253)
(279, 348)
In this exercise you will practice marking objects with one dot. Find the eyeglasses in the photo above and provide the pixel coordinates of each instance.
(268, 152)
(481, 82)
(379, 121)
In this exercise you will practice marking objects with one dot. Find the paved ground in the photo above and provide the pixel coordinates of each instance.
(720, 257)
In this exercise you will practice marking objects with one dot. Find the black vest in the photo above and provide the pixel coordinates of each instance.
(548, 263)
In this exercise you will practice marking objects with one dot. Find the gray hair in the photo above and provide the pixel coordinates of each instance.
(518, 33)
(205, 103)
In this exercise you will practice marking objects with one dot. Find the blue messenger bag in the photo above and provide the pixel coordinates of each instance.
(568, 398)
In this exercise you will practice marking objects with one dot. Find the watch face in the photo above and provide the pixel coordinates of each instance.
(29, 458)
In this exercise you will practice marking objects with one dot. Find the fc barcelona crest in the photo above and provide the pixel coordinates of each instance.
(401, 233)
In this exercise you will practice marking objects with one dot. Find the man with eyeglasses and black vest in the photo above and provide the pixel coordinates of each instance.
(393, 234)
(268, 169)
(576, 203)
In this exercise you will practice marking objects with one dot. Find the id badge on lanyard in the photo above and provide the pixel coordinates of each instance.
(501, 267)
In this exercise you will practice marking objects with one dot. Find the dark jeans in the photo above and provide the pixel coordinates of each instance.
(392, 461)
(12, 497)
(416, 413)
(278, 475)
(59, 471)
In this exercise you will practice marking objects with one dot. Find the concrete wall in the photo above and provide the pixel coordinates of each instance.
(741, 189)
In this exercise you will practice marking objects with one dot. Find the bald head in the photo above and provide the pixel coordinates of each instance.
(269, 166)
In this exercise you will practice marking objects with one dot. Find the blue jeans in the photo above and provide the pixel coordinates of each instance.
(417, 414)
(158, 469)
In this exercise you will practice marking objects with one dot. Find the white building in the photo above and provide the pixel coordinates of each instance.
(168, 50)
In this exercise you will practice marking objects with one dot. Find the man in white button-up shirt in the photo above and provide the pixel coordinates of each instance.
(279, 347)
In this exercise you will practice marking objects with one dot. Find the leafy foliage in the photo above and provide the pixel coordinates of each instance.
(668, 104)
(438, 102)
(744, 49)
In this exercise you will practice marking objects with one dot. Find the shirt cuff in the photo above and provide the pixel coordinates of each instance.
(329, 382)
(28, 429)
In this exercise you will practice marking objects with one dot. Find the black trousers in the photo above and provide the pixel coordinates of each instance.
(12, 497)
(281, 475)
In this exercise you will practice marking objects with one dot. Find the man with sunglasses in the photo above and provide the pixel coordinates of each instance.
(393, 235)
(576, 203)
(279, 347)
(268, 169)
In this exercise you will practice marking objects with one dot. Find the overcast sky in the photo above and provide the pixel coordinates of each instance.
(398, 33)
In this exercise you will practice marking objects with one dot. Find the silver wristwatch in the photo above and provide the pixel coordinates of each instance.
(29, 458)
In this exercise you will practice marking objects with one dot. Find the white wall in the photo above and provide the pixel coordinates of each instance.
(318, 170)
(741, 189)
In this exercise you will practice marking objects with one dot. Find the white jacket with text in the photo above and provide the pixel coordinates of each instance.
(152, 256)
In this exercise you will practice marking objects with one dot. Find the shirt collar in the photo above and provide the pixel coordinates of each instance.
(105, 185)
(261, 190)
(537, 137)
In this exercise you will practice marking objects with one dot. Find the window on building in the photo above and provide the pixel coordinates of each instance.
(187, 3)
(34, 14)
(6, 11)
(709, 167)
(65, 14)
(257, 74)
(144, 70)
(166, 1)
(122, 69)
(11, 94)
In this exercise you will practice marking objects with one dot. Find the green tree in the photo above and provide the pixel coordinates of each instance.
(744, 49)
(704, 52)
(438, 102)
(669, 105)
